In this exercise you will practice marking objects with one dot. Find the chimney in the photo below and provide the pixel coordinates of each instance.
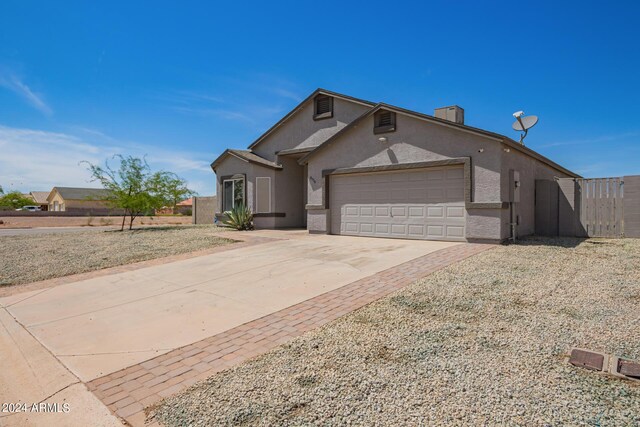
(453, 114)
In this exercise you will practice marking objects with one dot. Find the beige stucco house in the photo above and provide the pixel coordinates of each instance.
(342, 165)
(62, 199)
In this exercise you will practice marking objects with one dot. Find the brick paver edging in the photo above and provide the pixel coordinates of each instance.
(130, 390)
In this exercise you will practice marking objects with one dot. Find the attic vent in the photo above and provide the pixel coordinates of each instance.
(323, 107)
(384, 121)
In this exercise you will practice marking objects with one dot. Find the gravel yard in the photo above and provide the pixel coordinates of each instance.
(482, 342)
(29, 258)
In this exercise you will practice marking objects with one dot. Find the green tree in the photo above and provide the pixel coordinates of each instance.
(134, 188)
(14, 200)
(174, 188)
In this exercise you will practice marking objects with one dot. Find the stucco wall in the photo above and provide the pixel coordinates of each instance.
(302, 130)
(415, 141)
(287, 199)
(289, 196)
(204, 209)
(231, 166)
(530, 169)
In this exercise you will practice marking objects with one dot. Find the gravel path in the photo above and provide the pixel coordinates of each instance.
(29, 258)
(482, 342)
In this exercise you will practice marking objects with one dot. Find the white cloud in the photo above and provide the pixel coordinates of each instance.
(12, 82)
(39, 160)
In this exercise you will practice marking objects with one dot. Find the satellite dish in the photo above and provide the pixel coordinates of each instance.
(523, 124)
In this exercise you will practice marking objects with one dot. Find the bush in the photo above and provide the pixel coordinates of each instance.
(240, 218)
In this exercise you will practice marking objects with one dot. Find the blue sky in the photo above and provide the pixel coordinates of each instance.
(181, 81)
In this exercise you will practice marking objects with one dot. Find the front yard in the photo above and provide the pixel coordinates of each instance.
(482, 342)
(30, 258)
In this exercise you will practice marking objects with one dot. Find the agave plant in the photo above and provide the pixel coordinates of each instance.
(240, 218)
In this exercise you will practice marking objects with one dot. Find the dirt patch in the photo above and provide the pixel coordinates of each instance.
(30, 258)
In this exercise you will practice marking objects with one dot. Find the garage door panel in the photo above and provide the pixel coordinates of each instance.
(416, 211)
(415, 230)
(366, 211)
(382, 228)
(454, 194)
(455, 231)
(381, 211)
(435, 175)
(455, 212)
(366, 227)
(454, 173)
(435, 231)
(416, 204)
(398, 211)
(399, 229)
(351, 211)
(436, 212)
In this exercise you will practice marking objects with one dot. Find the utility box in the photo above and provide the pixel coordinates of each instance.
(514, 186)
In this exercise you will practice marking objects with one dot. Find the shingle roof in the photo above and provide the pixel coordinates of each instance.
(495, 136)
(76, 193)
(40, 196)
(247, 156)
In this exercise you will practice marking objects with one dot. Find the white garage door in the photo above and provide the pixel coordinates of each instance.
(408, 204)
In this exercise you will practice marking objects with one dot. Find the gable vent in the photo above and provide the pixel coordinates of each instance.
(323, 107)
(385, 119)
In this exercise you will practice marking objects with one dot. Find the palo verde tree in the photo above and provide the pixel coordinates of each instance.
(135, 189)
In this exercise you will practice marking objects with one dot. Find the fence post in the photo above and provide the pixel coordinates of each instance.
(631, 206)
(568, 208)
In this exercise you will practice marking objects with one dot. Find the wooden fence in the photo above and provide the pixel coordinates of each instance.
(601, 206)
(598, 207)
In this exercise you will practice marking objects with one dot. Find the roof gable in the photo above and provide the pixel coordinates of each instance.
(40, 196)
(300, 106)
(246, 156)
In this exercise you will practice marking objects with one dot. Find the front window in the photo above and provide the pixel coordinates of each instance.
(233, 190)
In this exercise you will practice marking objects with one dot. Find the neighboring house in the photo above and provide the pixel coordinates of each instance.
(341, 165)
(40, 199)
(77, 199)
(184, 207)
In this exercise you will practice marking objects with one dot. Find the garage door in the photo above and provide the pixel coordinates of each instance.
(409, 204)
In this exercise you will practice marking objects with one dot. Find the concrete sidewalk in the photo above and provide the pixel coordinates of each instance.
(30, 374)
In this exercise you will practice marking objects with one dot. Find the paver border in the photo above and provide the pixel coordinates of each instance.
(129, 391)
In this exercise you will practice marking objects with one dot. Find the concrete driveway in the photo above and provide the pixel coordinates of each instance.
(98, 326)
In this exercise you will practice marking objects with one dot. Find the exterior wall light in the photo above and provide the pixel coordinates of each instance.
(383, 139)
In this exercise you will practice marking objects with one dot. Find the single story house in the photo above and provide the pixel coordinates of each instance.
(341, 165)
(62, 199)
(40, 199)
